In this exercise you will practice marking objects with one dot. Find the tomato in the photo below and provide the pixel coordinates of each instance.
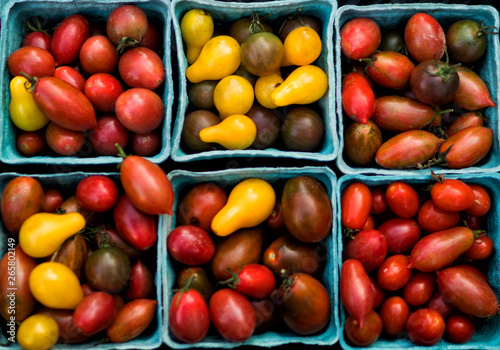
(21, 197)
(262, 53)
(267, 314)
(302, 46)
(139, 110)
(146, 144)
(419, 288)
(188, 316)
(289, 255)
(68, 38)
(107, 134)
(253, 280)
(465, 120)
(70, 75)
(438, 249)
(367, 246)
(140, 67)
(136, 227)
(393, 273)
(194, 122)
(39, 39)
(438, 303)
(72, 253)
(424, 37)
(466, 40)
(98, 55)
(431, 218)
(356, 290)
(268, 126)
(393, 40)
(241, 28)
(459, 328)
(362, 142)
(232, 315)
(359, 37)
(475, 222)
(52, 199)
(275, 220)
(452, 195)
(358, 98)
(38, 332)
(472, 93)
(63, 141)
(30, 143)
(32, 60)
(302, 129)
(467, 147)
(402, 199)
(198, 279)
(390, 69)
(233, 95)
(407, 149)
(141, 283)
(107, 269)
(379, 203)
(355, 205)
(482, 201)
(394, 313)
(299, 20)
(153, 39)
(68, 332)
(96, 312)
(366, 335)
(481, 249)
(191, 245)
(103, 89)
(425, 327)
(434, 82)
(132, 319)
(379, 294)
(97, 193)
(401, 234)
(126, 25)
(306, 304)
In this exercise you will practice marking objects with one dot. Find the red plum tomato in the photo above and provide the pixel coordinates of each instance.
(188, 316)
(97, 193)
(394, 313)
(359, 38)
(403, 199)
(355, 205)
(103, 89)
(191, 245)
(425, 327)
(424, 37)
(139, 110)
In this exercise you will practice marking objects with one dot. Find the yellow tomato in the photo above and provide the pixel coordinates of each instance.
(197, 27)
(233, 95)
(235, 132)
(302, 46)
(23, 110)
(55, 285)
(249, 204)
(38, 332)
(264, 86)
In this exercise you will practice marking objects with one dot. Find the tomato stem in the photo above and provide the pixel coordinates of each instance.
(121, 152)
(127, 42)
(31, 82)
(256, 25)
(37, 27)
(233, 281)
(483, 30)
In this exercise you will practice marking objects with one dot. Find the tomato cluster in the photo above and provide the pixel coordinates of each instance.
(263, 276)
(248, 84)
(88, 81)
(415, 260)
(405, 105)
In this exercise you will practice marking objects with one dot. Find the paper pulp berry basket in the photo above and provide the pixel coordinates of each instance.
(227, 12)
(395, 16)
(486, 335)
(67, 183)
(183, 181)
(14, 15)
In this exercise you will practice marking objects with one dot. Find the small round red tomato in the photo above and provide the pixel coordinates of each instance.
(32, 60)
(98, 55)
(97, 193)
(232, 315)
(358, 98)
(141, 67)
(71, 76)
(146, 144)
(359, 37)
(401, 234)
(424, 37)
(103, 89)
(394, 313)
(438, 303)
(253, 280)
(459, 328)
(419, 288)
(38, 39)
(107, 134)
(432, 219)
(127, 25)
(369, 224)
(425, 327)
(390, 69)
(63, 141)
(379, 203)
(393, 274)
(452, 195)
(403, 199)
(30, 143)
(139, 110)
(481, 249)
(191, 245)
(52, 199)
(188, 316)
(96, 312)
(355, 205)
(366, 335)
(482, 201)
(367, 246)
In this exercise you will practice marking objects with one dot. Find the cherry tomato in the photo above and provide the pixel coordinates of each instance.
(146, 144)
(103, 89)
(107, 269)
(452, 195)
(98, 55)
(139, 110)
(63, 141)
(188, 316)
(367, 246)
(379, 203)
(463, 121)
(198, 279)
(31, 143)
(473, 93)
(361, 142)
(96, 312)
(253, 280)
(378, 293)
(355, 205)
(358, 98)
(141, 283)
(394, 313)
(366, 335)
(107, 134)
(52, 199)
(127, 25)
(424, 37)
(70, 75)
(359, 37)
(466, 40)
(438, 303)
(38, 39)
(68, 39)
(459, 328)
(390, 69)
(419, 288)
(132, 319)
(141, 67)
(403, 199)
(97, 193)
(370, 223)
(191, 245)
(425, 327)
(481, 249)
(431, 218)
(482, 201)
(32, 60)
(393, 273)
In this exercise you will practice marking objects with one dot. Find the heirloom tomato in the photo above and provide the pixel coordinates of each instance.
(188, 316)
(38, 332)
(140, 67)
(197, 27)
(31, 60)
(98, 55)
(355, 205)
(362, 142)
(97, 193)
(359, 37)
(402, 199)
(466, 40)
(191, 245)
(452, 195)
(366, 335)
(459, 328)
(390, 69)
(472, 93)
(393, 273)
(107, 269)
(132, 319)
(68, 39)
(96, 312)
(103, 89)
(401, 234)
(139, 110)
(394, 313)
(424, 37)
(140, 284)
(367, 246)
(425, 327)
(358, 98)
(253, 280)
(419, 288)
(262, 53)
(126, 25)
(431, 218)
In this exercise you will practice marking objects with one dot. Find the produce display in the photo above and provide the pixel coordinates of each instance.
(417, 90)
(417, 260)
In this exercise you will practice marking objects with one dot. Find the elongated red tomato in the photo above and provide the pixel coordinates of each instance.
(438, 249)
(367, 246)
(431, 218)
(403, 199)
(390, 69)
(424, 37)
(132, 319)
(452, 195)
(188, 317)
(465, 120)
(401, 234)
(68, 38)
(253, 280)
(96, 312)
(358, 99)
(355, 205)
(482, 201)
(356, 291)
(472, 93)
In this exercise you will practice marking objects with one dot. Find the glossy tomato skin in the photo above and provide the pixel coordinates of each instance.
(191, 245)
(103, 89)
(438, 303)
(132, 319)
(97, 193)
(96, 312)
(68, 38)
(198, 279)
(262, 53)
(403, 199)
(362, 142)
(232, 315)
(394, 313)
(379, 294)
(255, 281)
(188, 316)
(419, 288)
(32, 60)
(355, 205)
(68, 332)
(463, 121)
(431, 88)
(390, 69)
(127, 21)
(359, 38)
(379, 203)
(38, 39)
(72, 253)
(146, 144)
(425, 327)
(141, 283)
(53, 198)
(70, 75)
(459, 328)
(358, 98)
(452, 195)
(472, 93)
(482, 201)
(139, 110)
(63, 141)
(30, 143)
(424, 37)
(466, 40)
(98, 55)
(393, 273)
(275, 220)
(107, 269)
(366, 335)
(107, 134)
(481, 249)
(367, 246)
(431, 218)
(141, 67)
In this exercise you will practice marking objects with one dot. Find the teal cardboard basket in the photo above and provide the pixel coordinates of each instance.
(14, 15)
(486, 335)
(66, 183)
(182, 181)
(395, 16)
(227, 12)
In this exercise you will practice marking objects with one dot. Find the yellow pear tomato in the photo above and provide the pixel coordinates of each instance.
(264, 86)
(235, 132)
(302, 46)
(197, 27)
(38, 332)
(233, 95)
(23, 110)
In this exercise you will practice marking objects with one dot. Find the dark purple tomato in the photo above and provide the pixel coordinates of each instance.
(362, 142)
(147, 144)
(107, 269)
